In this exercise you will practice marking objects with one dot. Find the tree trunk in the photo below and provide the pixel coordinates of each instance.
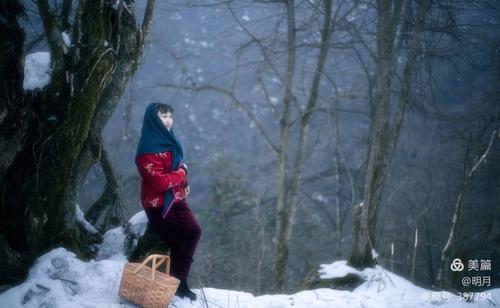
(110, 209)
(11, 120)
(336, 161)
(383, 135)
(41, 180)
(282, 212)
(286, 217)
(129, 53)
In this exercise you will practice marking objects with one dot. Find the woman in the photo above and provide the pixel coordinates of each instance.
(164, 189)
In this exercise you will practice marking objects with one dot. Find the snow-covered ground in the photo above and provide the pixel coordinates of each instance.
(59, 279)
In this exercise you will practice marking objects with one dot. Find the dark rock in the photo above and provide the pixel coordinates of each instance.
(313, 281)
(149, 243)
(12, 265)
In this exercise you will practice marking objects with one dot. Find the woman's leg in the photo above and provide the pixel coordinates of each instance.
(186, 238)
(180, 232)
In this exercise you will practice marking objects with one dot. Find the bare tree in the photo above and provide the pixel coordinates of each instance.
(385, 125)
(287, 182)
(445, 277)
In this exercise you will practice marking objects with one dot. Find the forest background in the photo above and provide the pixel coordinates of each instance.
(313, 130)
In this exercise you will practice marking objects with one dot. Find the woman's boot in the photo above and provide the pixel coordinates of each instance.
(184, 291)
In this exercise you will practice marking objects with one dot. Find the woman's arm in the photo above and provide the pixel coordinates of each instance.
(151, 169)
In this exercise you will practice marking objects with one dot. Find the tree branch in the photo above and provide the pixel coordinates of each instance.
(485, 154)
(65, 12)
(110, 206)
(405, 96)
(258, 42)
(148, 19)
(235, 100)
(52, 33)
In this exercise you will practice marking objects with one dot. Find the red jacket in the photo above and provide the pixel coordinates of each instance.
(157, 177)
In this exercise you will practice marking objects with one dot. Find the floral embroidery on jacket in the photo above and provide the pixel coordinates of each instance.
(157, 177)
(155, 202)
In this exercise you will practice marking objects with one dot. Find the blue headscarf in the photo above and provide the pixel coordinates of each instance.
(156, 138)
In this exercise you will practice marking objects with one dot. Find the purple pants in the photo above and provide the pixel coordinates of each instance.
(180, 232)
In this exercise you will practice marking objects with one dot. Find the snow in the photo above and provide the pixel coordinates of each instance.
(112, 246)
(337, 269)
(138, 224)
(116, 4)
(66, 39)
(320, 198)
(176, 16)
(59, 279)
(80, 217)
(37, 70)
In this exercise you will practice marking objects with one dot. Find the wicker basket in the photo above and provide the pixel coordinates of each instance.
(147, 286)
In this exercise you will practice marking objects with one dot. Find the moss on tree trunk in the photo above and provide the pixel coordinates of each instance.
(40, 177)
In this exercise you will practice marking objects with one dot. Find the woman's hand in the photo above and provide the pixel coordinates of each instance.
(187, 190)
(184, 167)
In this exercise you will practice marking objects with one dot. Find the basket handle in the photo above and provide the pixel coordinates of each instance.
(157, 260)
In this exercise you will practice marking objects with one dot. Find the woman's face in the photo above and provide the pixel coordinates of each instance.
(167, 119)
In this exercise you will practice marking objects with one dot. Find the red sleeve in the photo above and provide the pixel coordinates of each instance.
(152, 170)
